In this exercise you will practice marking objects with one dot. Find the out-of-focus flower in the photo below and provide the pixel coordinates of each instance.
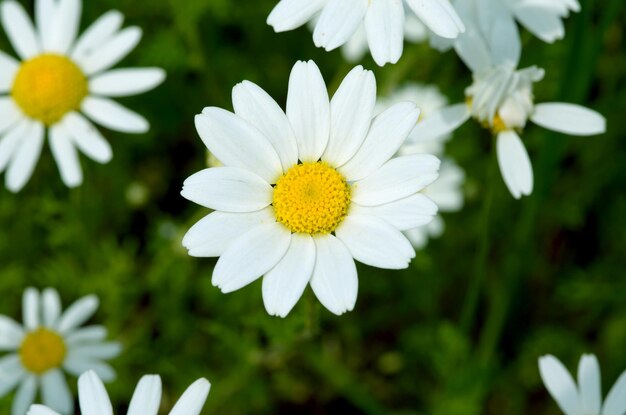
(586, 397)
(49, 343)
(303, 194)
(384, 22)
(501, 99)
(61, 79)
(146, 399)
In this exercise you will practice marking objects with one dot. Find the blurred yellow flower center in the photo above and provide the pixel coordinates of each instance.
(42, 350)
(496, 126)
(49, 86)
(311, 198)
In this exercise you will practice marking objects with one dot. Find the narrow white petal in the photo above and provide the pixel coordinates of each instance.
(12, 373)
(147, 396)
(40, 410)
(45, 11)
(375, 242)
(506, 45)
(114, 116)
(126, 82)
(66, 156)
(255, 105)
(615, 403)
(439, 16)
(404, 214)
(111, 51)
(229, 189)
(308, 110)
(88, 334)
(77, 365)
(55, 393)
(250, 256)
(92, 395)
(474, 51)
(78, 313)
(11, 334)
(87, 138)
(291, 14)
(440, 123)
(515, 166)
(25, 158)
(51, 304)
(589, 384)
(335, 281)
(31, 310)
(338, 22)
(20, 30)
(384, 23)
(284, 284)
(236, 143)
(569, 119)
(386, 135)
(9, 69)
(560, 384)
(351, 111)
(214, 234)
(25, 396)
(538, 19)
(12, 140)
(64, 28)
(97, 34)
(100, 351)
(193, 399)
(398, 178)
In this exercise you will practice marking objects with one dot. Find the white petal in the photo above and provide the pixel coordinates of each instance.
(284, 284)
(147, 396)
(126, 82)
(99, 32)
(92, 395)
(55, 393)
(375, 242)
(51, 307)
(560, 384)
(230, 189)
(77, 365)
(440, 123)
(25, 396)
(87, 138)
(236, 143)
(439, 16)
(64, 26)
(506, 45)
(9, 69)
(12, 140)
(351, 111)
(20, 30)
(515, 166)
(615, 403)
(384, 23)
(78, 313)
(308, 110)
(250, 256)
(569, 119)
(114, 116)
(290, 14)
(254, 105)
(11, 334)
(25, 157)
(213, 234)
(193, 399)
(40, 410)
(474, 51)
(540, 21)
(335, 281)
(66, 156)
(398, 178)
(386, 135)
(11, 373)
(31, 310)
(101, 351)
(404, 214)
(88, 334)
(111, 51)
(338, 22)
(589, 384)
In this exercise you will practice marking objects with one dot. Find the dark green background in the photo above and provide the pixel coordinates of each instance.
(459, 332)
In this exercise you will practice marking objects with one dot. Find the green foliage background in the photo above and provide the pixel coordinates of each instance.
(459, 332)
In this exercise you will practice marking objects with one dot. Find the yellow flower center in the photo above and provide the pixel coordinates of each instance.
(42, 350)
(496, 126)
(311, 198)
(49, 86)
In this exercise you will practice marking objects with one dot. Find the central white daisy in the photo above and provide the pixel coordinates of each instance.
(303, 194)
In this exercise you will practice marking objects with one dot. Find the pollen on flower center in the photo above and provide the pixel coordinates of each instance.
(42, 350)
(49, 86)
(311, 198)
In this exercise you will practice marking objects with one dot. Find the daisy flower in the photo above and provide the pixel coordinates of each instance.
(146, 399)
(501, 99)
(383, 20)
(49, 343)
(60, 81)
(303, 194)
(586, 397)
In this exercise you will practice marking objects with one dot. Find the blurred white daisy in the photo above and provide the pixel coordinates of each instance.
(49, 343)
(61, 80)
(501, 99)
(586, 397)
(146, 399)
(303, 193)
(447, 190)
(384, 22)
